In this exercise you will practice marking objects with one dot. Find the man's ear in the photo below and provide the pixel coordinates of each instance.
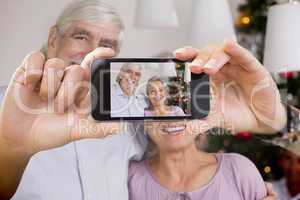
(53, 38)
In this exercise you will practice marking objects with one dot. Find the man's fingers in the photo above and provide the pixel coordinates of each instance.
(52, 77)
(74, 80)
(241, 56)
(96, 54)
(34, 66)
(185, 53)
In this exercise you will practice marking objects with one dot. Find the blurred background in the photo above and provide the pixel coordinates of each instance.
(270, 29)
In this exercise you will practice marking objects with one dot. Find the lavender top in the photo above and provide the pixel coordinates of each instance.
(236, 178)
(175, 111)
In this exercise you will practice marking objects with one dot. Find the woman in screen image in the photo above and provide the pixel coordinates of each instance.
(178, 170)
(157, 96)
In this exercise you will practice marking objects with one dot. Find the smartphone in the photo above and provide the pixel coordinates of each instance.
(147, 89)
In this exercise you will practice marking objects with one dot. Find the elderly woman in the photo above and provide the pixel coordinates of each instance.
(157, 96)
(180, 171)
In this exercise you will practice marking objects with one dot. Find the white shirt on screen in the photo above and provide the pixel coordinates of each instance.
(124, 106)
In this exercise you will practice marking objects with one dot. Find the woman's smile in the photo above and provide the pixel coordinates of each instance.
(174, 130)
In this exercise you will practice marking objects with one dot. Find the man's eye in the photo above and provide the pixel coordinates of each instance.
(80, 37)
(107, 46)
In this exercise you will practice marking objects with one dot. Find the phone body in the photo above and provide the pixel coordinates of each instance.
(147, 89)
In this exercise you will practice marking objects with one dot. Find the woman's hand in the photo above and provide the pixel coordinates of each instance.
(271, 195)
(245, 97)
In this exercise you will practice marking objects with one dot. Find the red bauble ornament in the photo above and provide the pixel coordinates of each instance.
(244, 135)
(287, 74)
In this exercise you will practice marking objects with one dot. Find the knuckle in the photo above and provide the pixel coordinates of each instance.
(55, 63)
(34, 60)
(77, 71)
(36, 55)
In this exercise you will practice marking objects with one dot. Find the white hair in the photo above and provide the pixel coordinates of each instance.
(94, 11)
(125, 67)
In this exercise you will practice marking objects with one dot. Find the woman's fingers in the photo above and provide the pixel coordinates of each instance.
(185, 53)
(196, 66)
(217, 60)
(241, 56)
(271, 195)
(208, 60)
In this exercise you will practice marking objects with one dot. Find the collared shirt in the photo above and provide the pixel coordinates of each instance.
(124, 106)
(90, 169)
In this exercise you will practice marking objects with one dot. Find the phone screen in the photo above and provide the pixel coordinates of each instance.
(149, 89)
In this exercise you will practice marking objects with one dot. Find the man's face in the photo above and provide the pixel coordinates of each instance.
(130, 77)
(79, 39)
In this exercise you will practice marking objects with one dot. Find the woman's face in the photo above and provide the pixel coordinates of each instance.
(157, 93)
(172, 135)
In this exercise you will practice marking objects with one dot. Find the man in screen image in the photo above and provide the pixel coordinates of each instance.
(126, 100)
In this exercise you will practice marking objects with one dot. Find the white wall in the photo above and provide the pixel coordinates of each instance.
(24, 27)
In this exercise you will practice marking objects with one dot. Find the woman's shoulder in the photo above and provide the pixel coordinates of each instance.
(245, 175)
(177, 110)
(237, 159)
(239, 164)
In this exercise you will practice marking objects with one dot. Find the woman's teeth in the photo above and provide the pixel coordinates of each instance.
(174, 130)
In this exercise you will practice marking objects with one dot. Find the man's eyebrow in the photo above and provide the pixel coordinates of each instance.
(112, 42)
(81, 32)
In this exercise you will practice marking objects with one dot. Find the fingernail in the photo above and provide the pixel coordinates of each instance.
(181, 50)
(212, 63)
(221, 60)
(196, 63)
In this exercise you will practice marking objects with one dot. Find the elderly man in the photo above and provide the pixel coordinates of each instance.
(44, 113)
(126, 101)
